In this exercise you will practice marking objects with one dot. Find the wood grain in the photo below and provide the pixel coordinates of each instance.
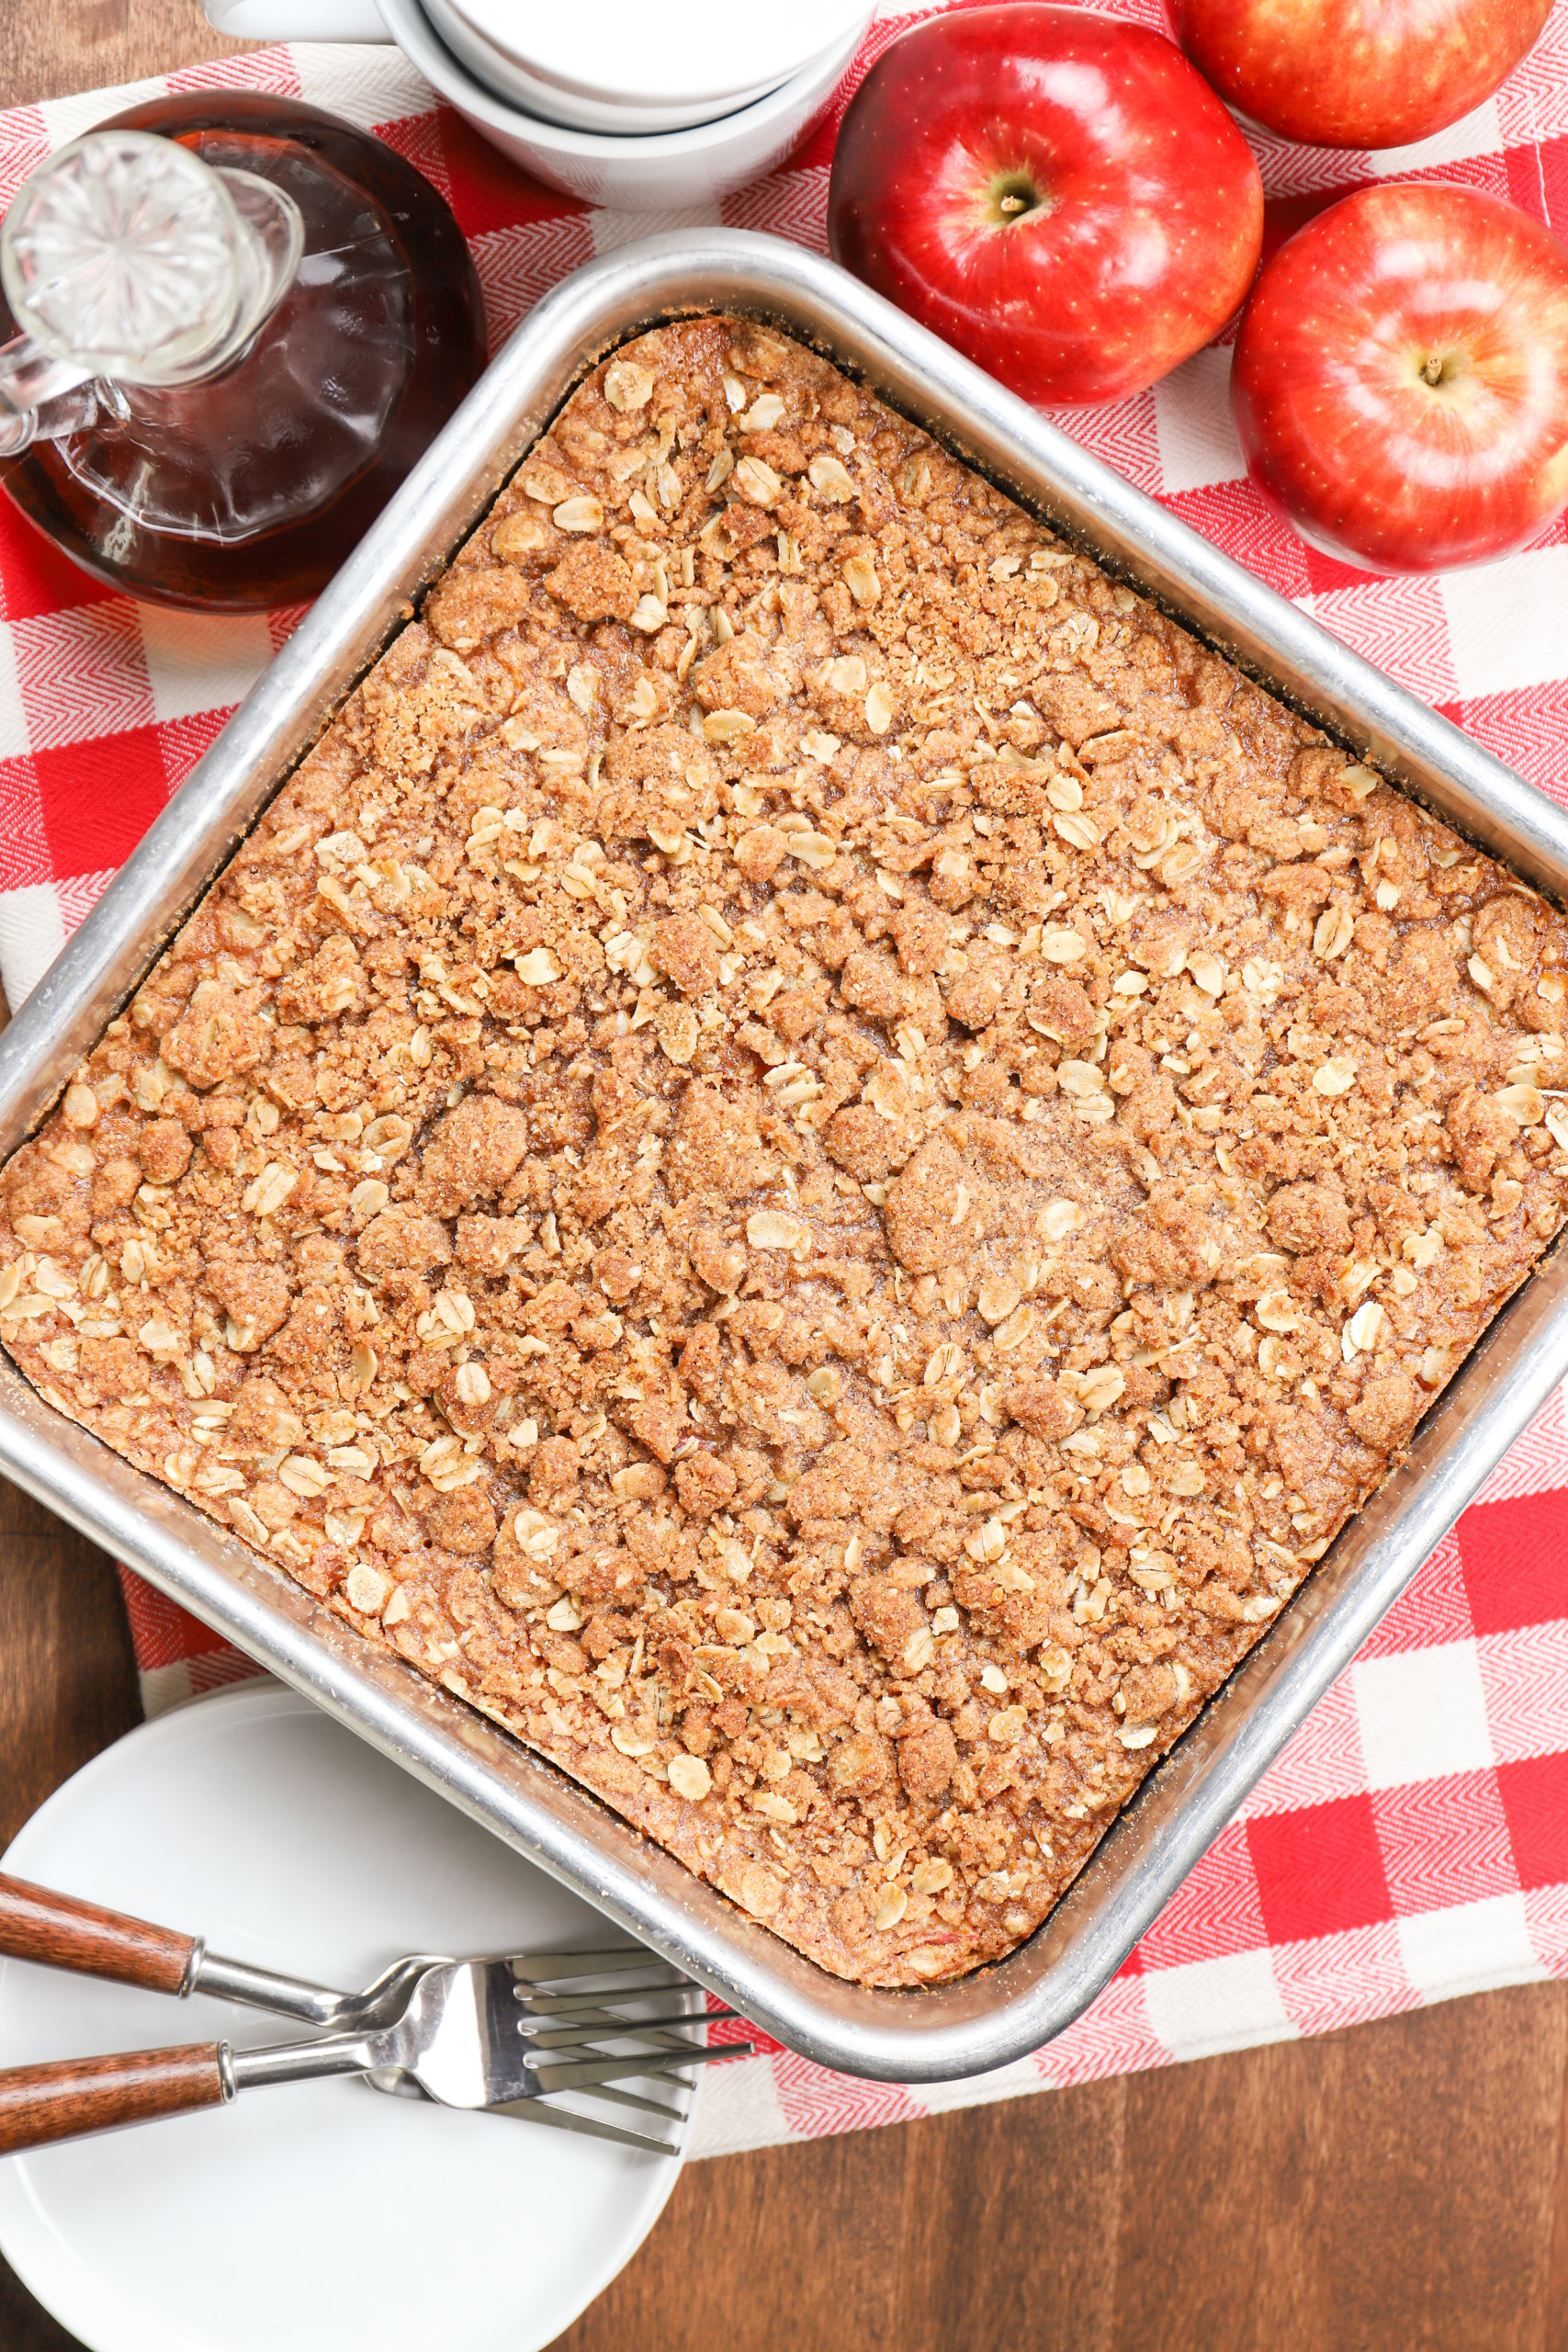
(67, 1672)
(1400, 2188)
(57, 1932)
(1388, 2189)
(70, 2097)
(67, 1688)
(50, 48)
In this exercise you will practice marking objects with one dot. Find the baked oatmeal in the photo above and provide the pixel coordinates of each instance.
(809, 1156)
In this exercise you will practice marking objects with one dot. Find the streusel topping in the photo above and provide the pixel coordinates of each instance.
(809, 1156)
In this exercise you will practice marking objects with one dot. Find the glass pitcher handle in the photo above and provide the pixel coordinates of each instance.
(127, 258)
(41, 398)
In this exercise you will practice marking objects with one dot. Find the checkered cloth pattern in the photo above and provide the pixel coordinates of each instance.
(1412, 1841)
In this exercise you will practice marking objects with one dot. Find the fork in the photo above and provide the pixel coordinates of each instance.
(40, 1924)
(481, 2033)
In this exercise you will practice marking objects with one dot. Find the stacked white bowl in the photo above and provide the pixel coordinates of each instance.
(637, 105)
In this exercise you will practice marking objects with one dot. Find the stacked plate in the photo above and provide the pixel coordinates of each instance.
(632, 104)
(627, 67)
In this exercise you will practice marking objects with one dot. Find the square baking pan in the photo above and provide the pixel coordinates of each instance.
(998, 2013)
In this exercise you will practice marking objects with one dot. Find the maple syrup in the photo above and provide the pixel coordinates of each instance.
(247, 488)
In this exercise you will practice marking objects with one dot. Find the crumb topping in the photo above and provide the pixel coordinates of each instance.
(809, 1156)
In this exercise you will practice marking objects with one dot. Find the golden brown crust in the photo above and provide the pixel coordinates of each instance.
(809, 1156)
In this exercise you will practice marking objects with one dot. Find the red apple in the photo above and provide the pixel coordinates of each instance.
(1356, 73)
(1056, 192)
(1401, 377)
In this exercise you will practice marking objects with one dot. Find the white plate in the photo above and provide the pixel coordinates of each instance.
(313, 2217)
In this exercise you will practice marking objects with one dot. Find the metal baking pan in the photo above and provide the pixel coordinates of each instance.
(997, 2014)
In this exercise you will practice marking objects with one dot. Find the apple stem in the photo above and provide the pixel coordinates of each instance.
(1432, 371)
(1010, 197)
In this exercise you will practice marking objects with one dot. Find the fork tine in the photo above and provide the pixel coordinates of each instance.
(665, 2050)
(565, 2119)
(619, 1960)
(589, 2015)
(577, 2073)
(573, 2005)
(580, 2032)
(393, 2079)
(635, 2099)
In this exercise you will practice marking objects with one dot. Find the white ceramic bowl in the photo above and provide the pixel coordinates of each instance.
(510, 80)
(663, 171)
(633, 68)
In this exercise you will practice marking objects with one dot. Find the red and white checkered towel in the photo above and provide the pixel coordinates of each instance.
(1412, 1842)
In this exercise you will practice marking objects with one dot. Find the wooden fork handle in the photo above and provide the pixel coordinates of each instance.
(60, 1931)
(76, 2095)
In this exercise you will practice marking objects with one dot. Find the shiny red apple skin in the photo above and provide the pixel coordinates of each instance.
(1144, 210)
(1340, 426)
(1356, 73)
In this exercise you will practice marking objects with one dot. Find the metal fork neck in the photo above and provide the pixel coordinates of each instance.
(258, 1989)
(303, 2062)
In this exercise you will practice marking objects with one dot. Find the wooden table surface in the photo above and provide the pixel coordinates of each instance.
(1400, 2188)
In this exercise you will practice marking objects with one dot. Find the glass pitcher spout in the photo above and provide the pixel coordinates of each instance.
(126, 260)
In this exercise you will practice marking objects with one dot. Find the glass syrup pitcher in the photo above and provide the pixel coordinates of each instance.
(240, 322)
